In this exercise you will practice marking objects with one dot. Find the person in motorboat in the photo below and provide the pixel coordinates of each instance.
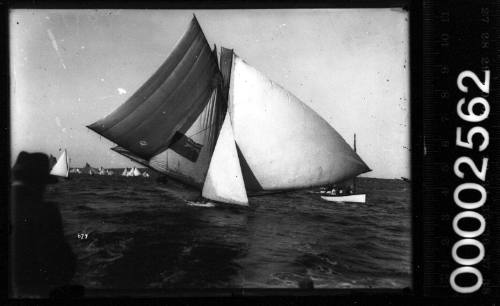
(334, 191)
(350, 190)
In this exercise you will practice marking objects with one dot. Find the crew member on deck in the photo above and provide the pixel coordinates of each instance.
(350, 190)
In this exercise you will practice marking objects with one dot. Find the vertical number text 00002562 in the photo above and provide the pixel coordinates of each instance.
(469, 237)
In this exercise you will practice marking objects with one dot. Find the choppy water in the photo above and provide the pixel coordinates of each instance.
(143, 234)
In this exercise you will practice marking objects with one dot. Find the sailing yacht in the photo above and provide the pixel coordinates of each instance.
(89, 170)
(61, 167)
(225, 128)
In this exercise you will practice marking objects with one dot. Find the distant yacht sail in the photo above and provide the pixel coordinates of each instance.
(136, 172)
(102, 171)
(61, 168)
(89, 169)
(131, 172)
(172, 124)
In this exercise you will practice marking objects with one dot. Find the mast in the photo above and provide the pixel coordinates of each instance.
(354, 179)
(354, 142)
(67, 160)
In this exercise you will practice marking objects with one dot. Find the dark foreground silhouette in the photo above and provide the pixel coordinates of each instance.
(41, 261)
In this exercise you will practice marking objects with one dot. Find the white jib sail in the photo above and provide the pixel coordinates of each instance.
(136, 172)
(61, 168)
(224, 181)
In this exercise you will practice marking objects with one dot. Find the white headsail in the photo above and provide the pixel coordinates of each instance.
(224, 181)
(284, 142)
(61, 168)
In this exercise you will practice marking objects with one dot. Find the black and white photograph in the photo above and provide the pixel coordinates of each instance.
(177, 149)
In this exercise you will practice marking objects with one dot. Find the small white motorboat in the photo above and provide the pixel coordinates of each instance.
(352, 198)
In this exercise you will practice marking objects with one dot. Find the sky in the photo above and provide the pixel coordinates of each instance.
(70, 68)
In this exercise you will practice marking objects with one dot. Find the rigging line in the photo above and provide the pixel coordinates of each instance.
(209, 106)
(211, 125)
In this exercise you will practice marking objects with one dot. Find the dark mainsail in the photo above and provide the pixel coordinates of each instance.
(169, 102)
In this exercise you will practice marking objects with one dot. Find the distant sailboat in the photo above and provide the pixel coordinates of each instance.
(125, 171)
(89, 170)
(61, 167)
(102, 171)
(225, 128)
(145, 174)
(131, 172)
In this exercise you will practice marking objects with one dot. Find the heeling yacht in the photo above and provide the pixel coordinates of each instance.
(225, 128)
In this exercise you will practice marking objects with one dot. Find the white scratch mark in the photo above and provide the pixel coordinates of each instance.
(56, 47)
(58, 122)
(102, 80)
(121, 91)
(53, 39)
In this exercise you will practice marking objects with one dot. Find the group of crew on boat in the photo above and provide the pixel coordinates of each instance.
(338, 190)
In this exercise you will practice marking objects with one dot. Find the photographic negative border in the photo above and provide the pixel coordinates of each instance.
(425, 129)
